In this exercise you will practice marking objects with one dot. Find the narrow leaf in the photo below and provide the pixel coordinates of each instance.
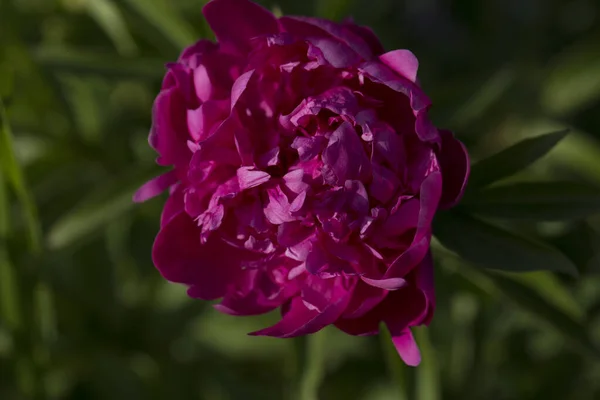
(513, 159)
(549, 287)
(396, 369)
(87, 62)
(538, 299)
(109, 17)
(100, 207)
(573, 79)
(492, 247)
(539, 306)
(545, 201)
(314, 368)
(160, 14)
(12, 171)
(427, 378)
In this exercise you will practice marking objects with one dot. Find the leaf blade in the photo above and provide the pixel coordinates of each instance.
(513, 159)
(495, 248)
(545, 201)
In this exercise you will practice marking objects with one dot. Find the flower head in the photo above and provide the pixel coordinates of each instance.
(306, 174)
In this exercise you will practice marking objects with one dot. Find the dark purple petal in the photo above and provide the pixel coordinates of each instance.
(169, 134)
(180, 258)
(173, 205)
(201, 47)
(455, 167)
(235, 22)
(329, 28)
(367, 35)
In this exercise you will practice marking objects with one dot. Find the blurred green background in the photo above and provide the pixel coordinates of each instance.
(83, 312)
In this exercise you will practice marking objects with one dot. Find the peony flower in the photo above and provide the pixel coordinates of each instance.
(306, 174)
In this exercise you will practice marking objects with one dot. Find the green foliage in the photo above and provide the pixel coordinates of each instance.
(84, 314)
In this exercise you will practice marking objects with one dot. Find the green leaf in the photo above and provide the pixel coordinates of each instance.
(4, 207)
(513, 159)
(97, 209)
(427, 378)
(551, 289)
(88, 62)
(541, 307)
(492, 247)
(486, 95)
(161, 15)
(539, 294)
(12, 171)
(109, 17)
(314, 365)
(573, 79)
(546, 201)
(396, 369)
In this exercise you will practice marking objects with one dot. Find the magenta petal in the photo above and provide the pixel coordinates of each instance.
(277, 210)
(425, 282)
(239, 87)
(402, 62)
(180, 258)
(366, 325)
(199, 48)
(404, 218)
(173, 206)
(407, 348)
(202, 120)
(387, 283)
(336, 53)
(249, 177)
(409, 259)
(155, 186)
(340, 32)
(431, 191)
(300, 320)
(384, 184)
(380, 73)
(339, 100)
(235, 22)
(169, 134)
(455, 167)
(364, 299)
(367, 35)
(345, 158)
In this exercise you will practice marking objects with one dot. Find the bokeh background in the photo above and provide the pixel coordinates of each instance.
(83, 312)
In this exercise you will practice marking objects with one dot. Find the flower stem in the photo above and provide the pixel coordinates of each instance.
(312, 365)
(397, 371)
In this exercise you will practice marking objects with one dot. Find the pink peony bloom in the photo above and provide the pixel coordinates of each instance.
(306, 174)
